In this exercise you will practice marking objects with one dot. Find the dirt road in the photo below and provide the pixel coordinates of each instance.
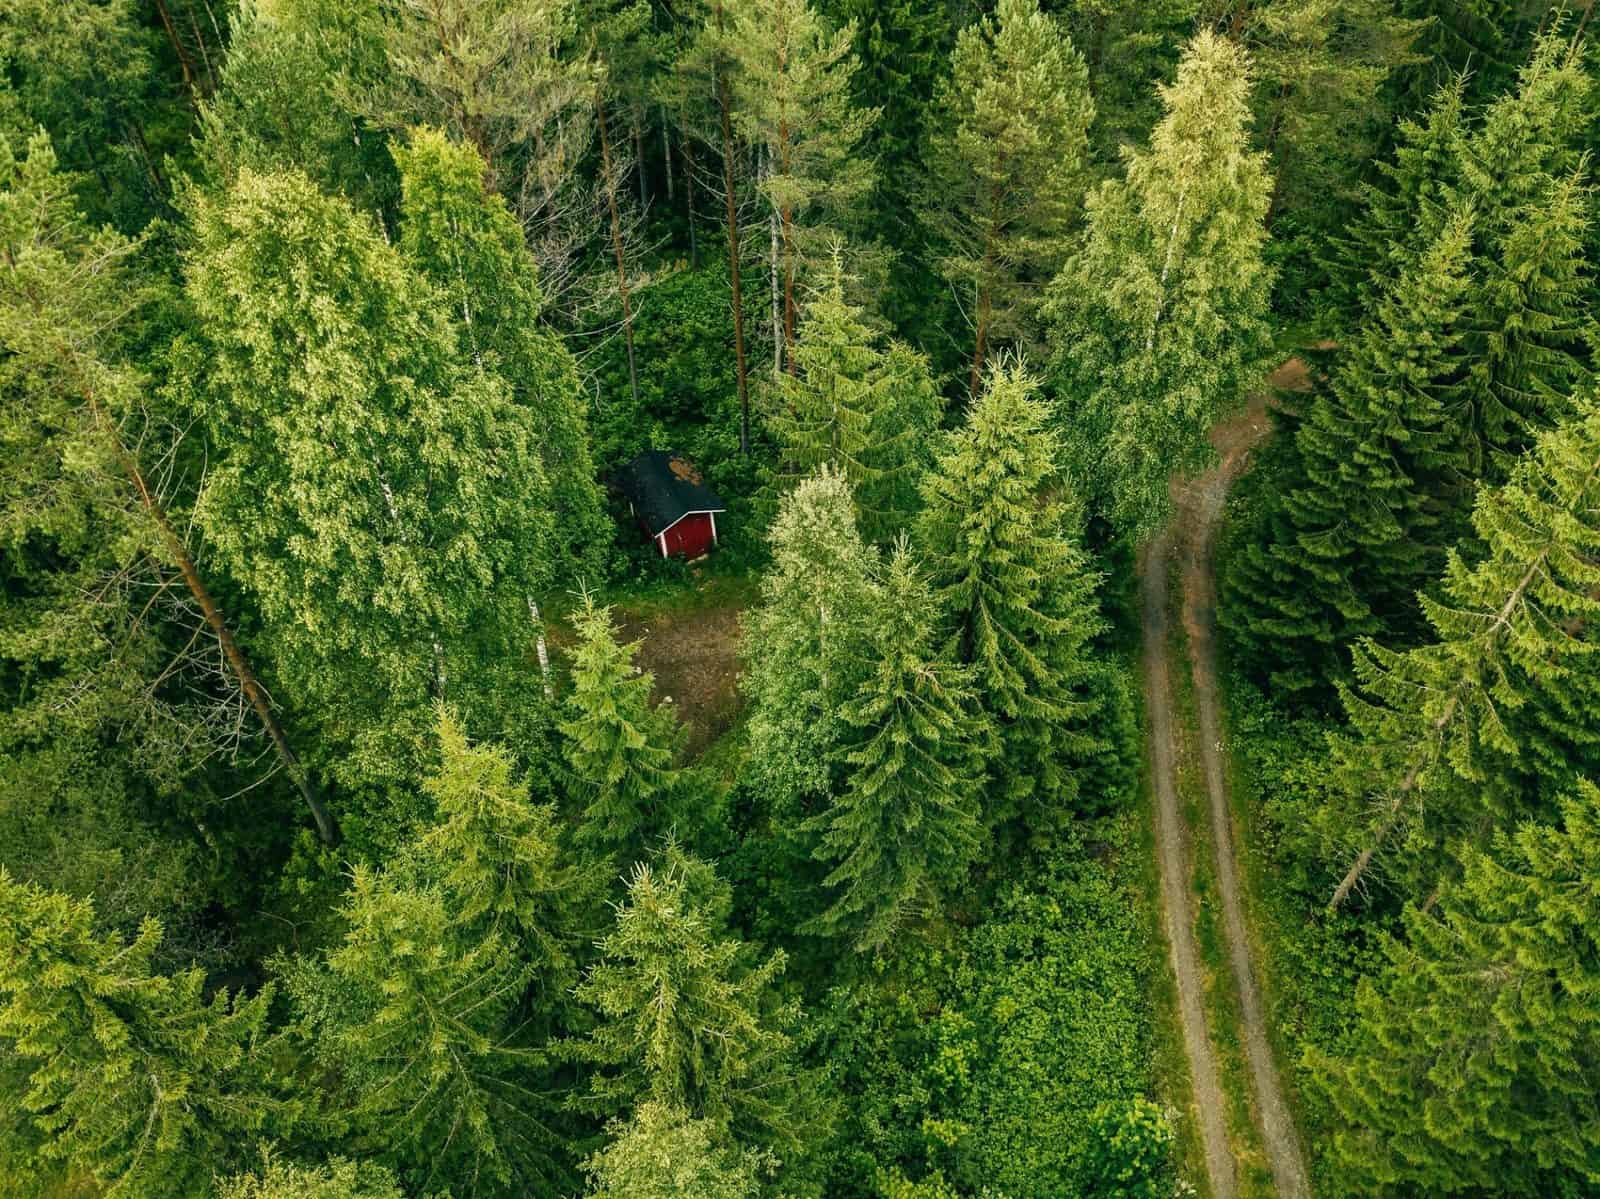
(1198, 508)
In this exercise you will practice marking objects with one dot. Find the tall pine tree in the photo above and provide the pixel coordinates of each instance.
(412, 1014)
(865, 409)
(792, 78)
(500, 857)
(1007, 154)
(683, 1016)
(805, 643)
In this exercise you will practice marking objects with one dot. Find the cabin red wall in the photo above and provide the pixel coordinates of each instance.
(691, 536)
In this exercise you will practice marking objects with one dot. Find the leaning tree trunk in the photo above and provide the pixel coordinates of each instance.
(249, 685)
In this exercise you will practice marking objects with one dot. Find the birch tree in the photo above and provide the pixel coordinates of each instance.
(381, 500)
(468, 243)
(1160, 319)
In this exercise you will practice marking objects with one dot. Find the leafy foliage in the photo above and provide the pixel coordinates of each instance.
(1159, 319)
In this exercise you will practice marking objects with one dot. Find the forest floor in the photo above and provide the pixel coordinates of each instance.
(1198, 505)
(689, 640)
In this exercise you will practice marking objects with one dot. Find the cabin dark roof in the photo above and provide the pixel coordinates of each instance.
(664, 487)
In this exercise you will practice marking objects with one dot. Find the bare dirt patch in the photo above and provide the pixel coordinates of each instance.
(694, 656)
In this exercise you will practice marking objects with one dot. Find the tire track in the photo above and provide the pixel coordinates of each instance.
(1197, 511)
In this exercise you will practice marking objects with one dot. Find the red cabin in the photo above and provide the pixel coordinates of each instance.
(671, 502)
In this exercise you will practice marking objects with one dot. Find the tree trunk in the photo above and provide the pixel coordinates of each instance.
(980, 348)
(777, 302)
(638, 153)
(787, 221)
(666, 158)
(616, 244)
(190, 87)
(327, 829)
(688, 200)
(725, 105)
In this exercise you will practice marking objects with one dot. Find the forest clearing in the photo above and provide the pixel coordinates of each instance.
(799, 599)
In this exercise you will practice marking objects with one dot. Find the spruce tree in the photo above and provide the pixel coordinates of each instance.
(1007, 154)
(792, 84)
(1380, 460)
(1160, 318)
(1407, 201)
(805, 642)
(662, 1153)
(380, 500)
(468, 243)
(908, 822)
(413, 1015)
(130, 1079)
(865, 409)
(499, 857)
(491, 73)
(1499, 163)
(1530, 336)
(1322, 95)
(619, 747)
(1492, 717)
(1470, 1069)
(683, 1017)
(999, 530)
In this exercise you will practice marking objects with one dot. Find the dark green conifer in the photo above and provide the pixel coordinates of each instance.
(866, 409)
(1471, 1067)
(1379, 463)
(999, 529)
(909, 819)
(1497, 711)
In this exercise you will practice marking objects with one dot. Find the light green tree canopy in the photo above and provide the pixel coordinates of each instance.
(1160, 319)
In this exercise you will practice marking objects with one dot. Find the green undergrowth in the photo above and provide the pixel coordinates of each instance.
(981, 1058)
